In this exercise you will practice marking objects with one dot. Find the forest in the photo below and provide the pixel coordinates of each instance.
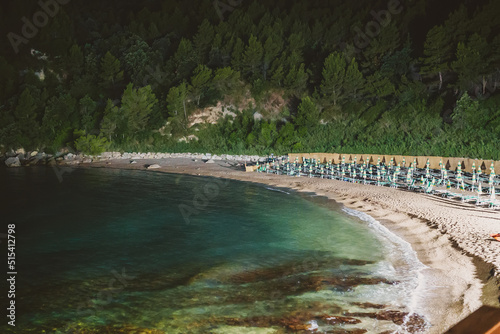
(411, 77)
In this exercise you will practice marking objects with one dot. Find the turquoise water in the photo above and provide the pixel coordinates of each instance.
(103, 251)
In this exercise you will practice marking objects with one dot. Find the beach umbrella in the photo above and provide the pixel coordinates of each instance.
(422, 181)
(343, 159)
(353, 174)
(364, 175)
(433, 182)
(462, 185)
(474, 167)
(427, 173)
(427, 164)
(391, 163)
(378, 177)
(473, 179)
(479, 189)
(448, 185)
(343, 172)
(404, 162)
(408, 177)
(355, 159)
(322, 171)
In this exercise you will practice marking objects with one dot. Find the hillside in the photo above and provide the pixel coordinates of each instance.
(254, 77)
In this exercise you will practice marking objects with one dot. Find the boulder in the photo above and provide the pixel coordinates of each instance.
(133, 162)
(210, 161)
(20, 151)
(34, 153)
(155, 166)
(13, 162)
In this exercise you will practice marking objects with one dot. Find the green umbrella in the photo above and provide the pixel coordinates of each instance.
(448, 185)
(404, 162)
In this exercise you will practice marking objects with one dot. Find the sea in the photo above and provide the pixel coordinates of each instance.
(101, 250)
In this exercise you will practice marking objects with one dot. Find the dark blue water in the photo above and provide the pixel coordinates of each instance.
(104, 251)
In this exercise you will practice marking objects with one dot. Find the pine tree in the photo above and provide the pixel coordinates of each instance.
(203, 41)
(438, 52)
(272, 48)
(333, 77)
(176, 102)
(296, 80)
(308, 114)
(226, 80)
(137, 105)
(110, 70)
(111, 120)
(200, 82)
(353, 81)
(252, 58)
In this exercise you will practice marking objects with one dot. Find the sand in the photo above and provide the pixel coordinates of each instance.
(450, 237)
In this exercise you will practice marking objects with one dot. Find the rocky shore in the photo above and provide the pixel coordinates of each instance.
(22, 158)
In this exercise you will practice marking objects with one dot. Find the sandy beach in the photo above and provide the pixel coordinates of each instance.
(451, 238)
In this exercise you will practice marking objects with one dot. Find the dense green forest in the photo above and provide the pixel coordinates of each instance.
(386, 77)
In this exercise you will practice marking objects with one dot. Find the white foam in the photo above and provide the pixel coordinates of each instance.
(411, 273)
(278, 190)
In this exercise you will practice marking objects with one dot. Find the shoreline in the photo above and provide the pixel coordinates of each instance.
(461, 268)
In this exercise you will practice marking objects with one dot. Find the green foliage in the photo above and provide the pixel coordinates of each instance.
(137, 77)
(137, 105)
(90, 144)
(110, 70)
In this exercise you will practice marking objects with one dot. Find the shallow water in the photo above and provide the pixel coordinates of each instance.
(102, 251)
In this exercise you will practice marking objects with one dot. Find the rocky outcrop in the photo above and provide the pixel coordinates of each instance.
(13, 162)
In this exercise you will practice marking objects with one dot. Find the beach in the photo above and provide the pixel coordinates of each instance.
(451, 238)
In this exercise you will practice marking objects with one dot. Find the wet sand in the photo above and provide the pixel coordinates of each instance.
(451, 238)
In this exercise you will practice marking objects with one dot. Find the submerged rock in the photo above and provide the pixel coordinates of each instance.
(154, 166)
(413, 322)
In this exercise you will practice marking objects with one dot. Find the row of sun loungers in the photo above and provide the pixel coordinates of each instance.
(475, 187)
